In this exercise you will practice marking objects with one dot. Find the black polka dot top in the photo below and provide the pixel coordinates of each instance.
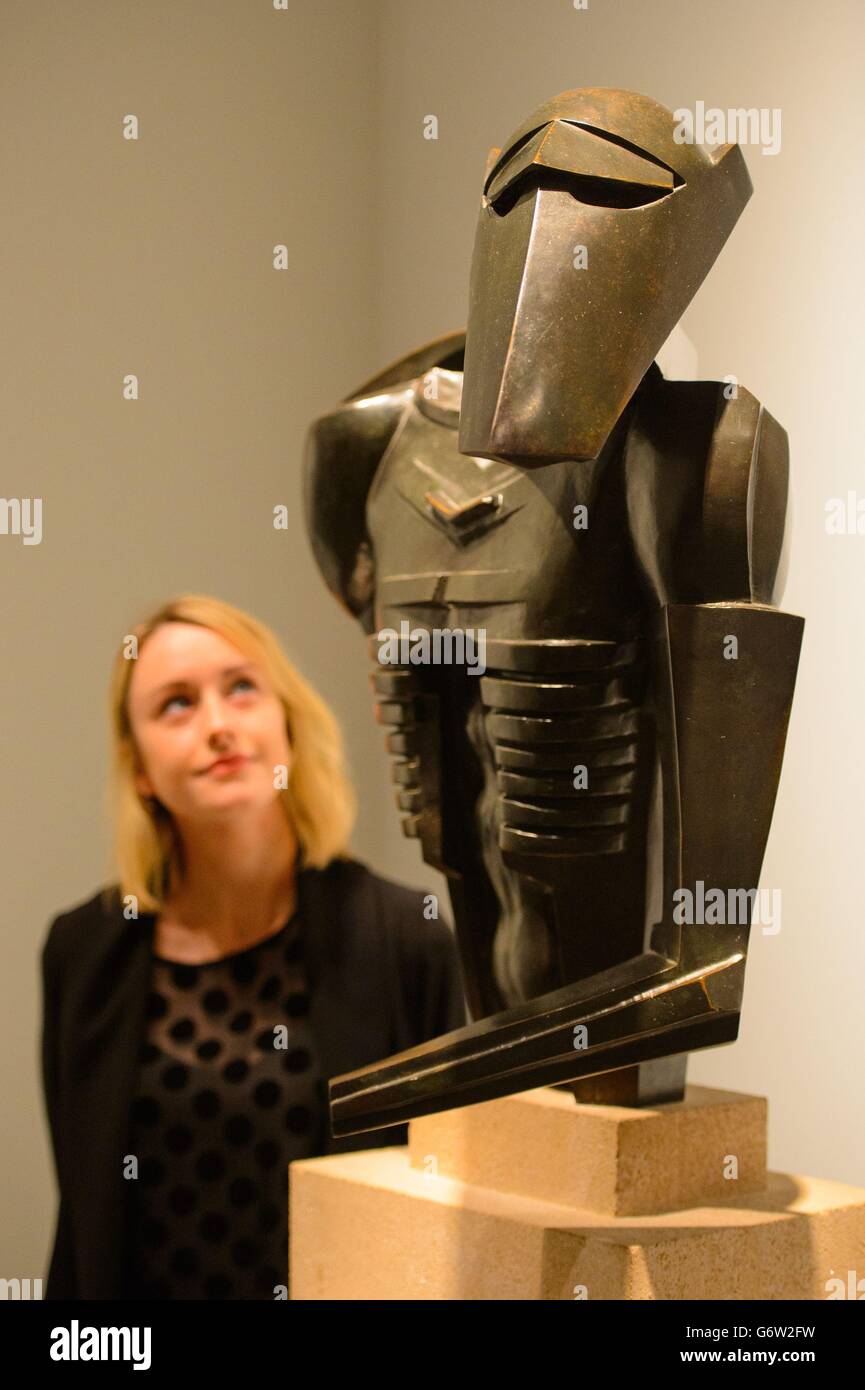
(227, 1097)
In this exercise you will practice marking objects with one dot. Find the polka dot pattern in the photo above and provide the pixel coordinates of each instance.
(228, 1095)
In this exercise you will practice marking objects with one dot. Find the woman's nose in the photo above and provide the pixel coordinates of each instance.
(215, 716)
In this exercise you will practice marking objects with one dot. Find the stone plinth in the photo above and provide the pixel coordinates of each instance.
(609, 1159)
(535, 1197)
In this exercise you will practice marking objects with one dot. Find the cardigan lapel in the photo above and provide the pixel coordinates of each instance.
(112, 1008)
(351, 1004)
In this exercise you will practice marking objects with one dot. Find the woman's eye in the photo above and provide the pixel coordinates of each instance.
(241, 680)
(170, 701)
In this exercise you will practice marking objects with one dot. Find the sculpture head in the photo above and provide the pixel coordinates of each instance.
(596, 229)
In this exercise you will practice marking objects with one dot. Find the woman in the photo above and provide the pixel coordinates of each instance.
(194, 1010)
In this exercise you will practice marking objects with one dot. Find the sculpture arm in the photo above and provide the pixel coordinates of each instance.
(706, 480)
(744, 506)
(725, 657)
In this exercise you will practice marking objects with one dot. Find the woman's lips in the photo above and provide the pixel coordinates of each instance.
(226, 765)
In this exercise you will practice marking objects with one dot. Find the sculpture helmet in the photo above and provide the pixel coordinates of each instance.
(596, 229)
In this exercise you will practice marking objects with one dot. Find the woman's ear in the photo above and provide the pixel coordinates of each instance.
(143, 785)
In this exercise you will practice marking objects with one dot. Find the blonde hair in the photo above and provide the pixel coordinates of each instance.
(319, 799)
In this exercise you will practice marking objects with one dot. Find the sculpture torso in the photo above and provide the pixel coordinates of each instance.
(535, 786)
(535, 559)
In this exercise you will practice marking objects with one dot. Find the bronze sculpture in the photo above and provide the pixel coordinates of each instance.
(618, 540)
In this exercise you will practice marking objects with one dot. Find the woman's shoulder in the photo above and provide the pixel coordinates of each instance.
(92, 919)
(355, 876)
(406, 916)
(419, 950)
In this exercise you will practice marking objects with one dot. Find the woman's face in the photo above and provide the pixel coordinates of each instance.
(194, 697)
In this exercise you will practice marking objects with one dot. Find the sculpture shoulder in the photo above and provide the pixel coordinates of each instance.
(447, 351)
(342, 452)
(356, 432)
(359, 429)
(709, 463)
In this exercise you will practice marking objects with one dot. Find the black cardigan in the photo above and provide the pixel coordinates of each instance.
(382, 978)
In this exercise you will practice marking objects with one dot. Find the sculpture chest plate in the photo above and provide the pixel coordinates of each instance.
(493, 542)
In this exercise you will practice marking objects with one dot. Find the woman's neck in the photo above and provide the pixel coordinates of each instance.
(238, 886)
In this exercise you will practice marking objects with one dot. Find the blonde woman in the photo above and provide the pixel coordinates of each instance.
(194, 1009)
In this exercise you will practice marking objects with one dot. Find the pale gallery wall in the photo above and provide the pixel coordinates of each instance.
(153, 257)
